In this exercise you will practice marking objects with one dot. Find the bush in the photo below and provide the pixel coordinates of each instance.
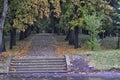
(93, 23)
(93, 44)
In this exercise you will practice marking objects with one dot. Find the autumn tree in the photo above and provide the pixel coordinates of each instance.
(23, 16)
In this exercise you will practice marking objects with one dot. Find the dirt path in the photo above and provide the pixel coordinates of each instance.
(42, 45)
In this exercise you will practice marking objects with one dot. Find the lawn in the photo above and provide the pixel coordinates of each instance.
(103, 59)
(106, 58)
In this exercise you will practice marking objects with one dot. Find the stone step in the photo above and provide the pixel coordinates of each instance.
(32, 69)
(35, 61)
(40, 71)
(38, 58)
(37, 64)
(26, 64)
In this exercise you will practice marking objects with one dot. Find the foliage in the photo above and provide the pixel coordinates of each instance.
(55, 8)
(69, 13)
(73, 11)
(25, 12)
(1, 6)
(93, 23)
(42, 24)
(80, 13)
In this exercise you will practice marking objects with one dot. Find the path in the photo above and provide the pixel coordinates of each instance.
(40, 58)
(42, 45)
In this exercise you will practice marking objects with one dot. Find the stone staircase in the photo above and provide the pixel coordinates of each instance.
(38, 65)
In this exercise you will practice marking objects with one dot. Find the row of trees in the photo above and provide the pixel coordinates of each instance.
(86, 14)
(58, 16)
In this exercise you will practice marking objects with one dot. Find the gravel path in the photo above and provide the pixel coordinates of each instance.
(42, 45)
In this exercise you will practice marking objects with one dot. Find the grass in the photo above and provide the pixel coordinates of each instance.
(109, 42)
(103, 59)
(106, 58)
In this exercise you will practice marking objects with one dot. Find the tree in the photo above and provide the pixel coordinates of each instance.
(23, 16)
(93, 23)
(55, 10)
(73, 12)
(2, 21)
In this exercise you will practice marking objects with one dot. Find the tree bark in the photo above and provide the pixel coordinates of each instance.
(118, 42)
(71, 37)
(76, 31)
(12, 37)
(101, 35)
(26, 33)
(68, 34)
(2, 21)
(37, 30)
(3, 43)
(21, 37)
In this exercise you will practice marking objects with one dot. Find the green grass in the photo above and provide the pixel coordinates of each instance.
(106, 43)
(109, 42)
(104, 59)
(107, 57)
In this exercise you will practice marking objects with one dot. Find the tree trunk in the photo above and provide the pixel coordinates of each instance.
(37, 30)
(118, 42)
(14, 36)
(11, 39)
(76, 31)
(26, 33)
(3, 41)
(2, 21)
(57, 31)
(101, 35)
(71, 37)
(21, 37)
(68, 35)
(29, 30)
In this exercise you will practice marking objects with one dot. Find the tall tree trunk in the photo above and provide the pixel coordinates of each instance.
(26, 33)
(101, 35)
(118, 42)
(68, 34)
(71, 37)
(11, 38)
(2, 21)
(14, 36)
(37, 30)
(76, 31)
(21, 37)
(29, 30)
(3, 41)
(57, 31)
